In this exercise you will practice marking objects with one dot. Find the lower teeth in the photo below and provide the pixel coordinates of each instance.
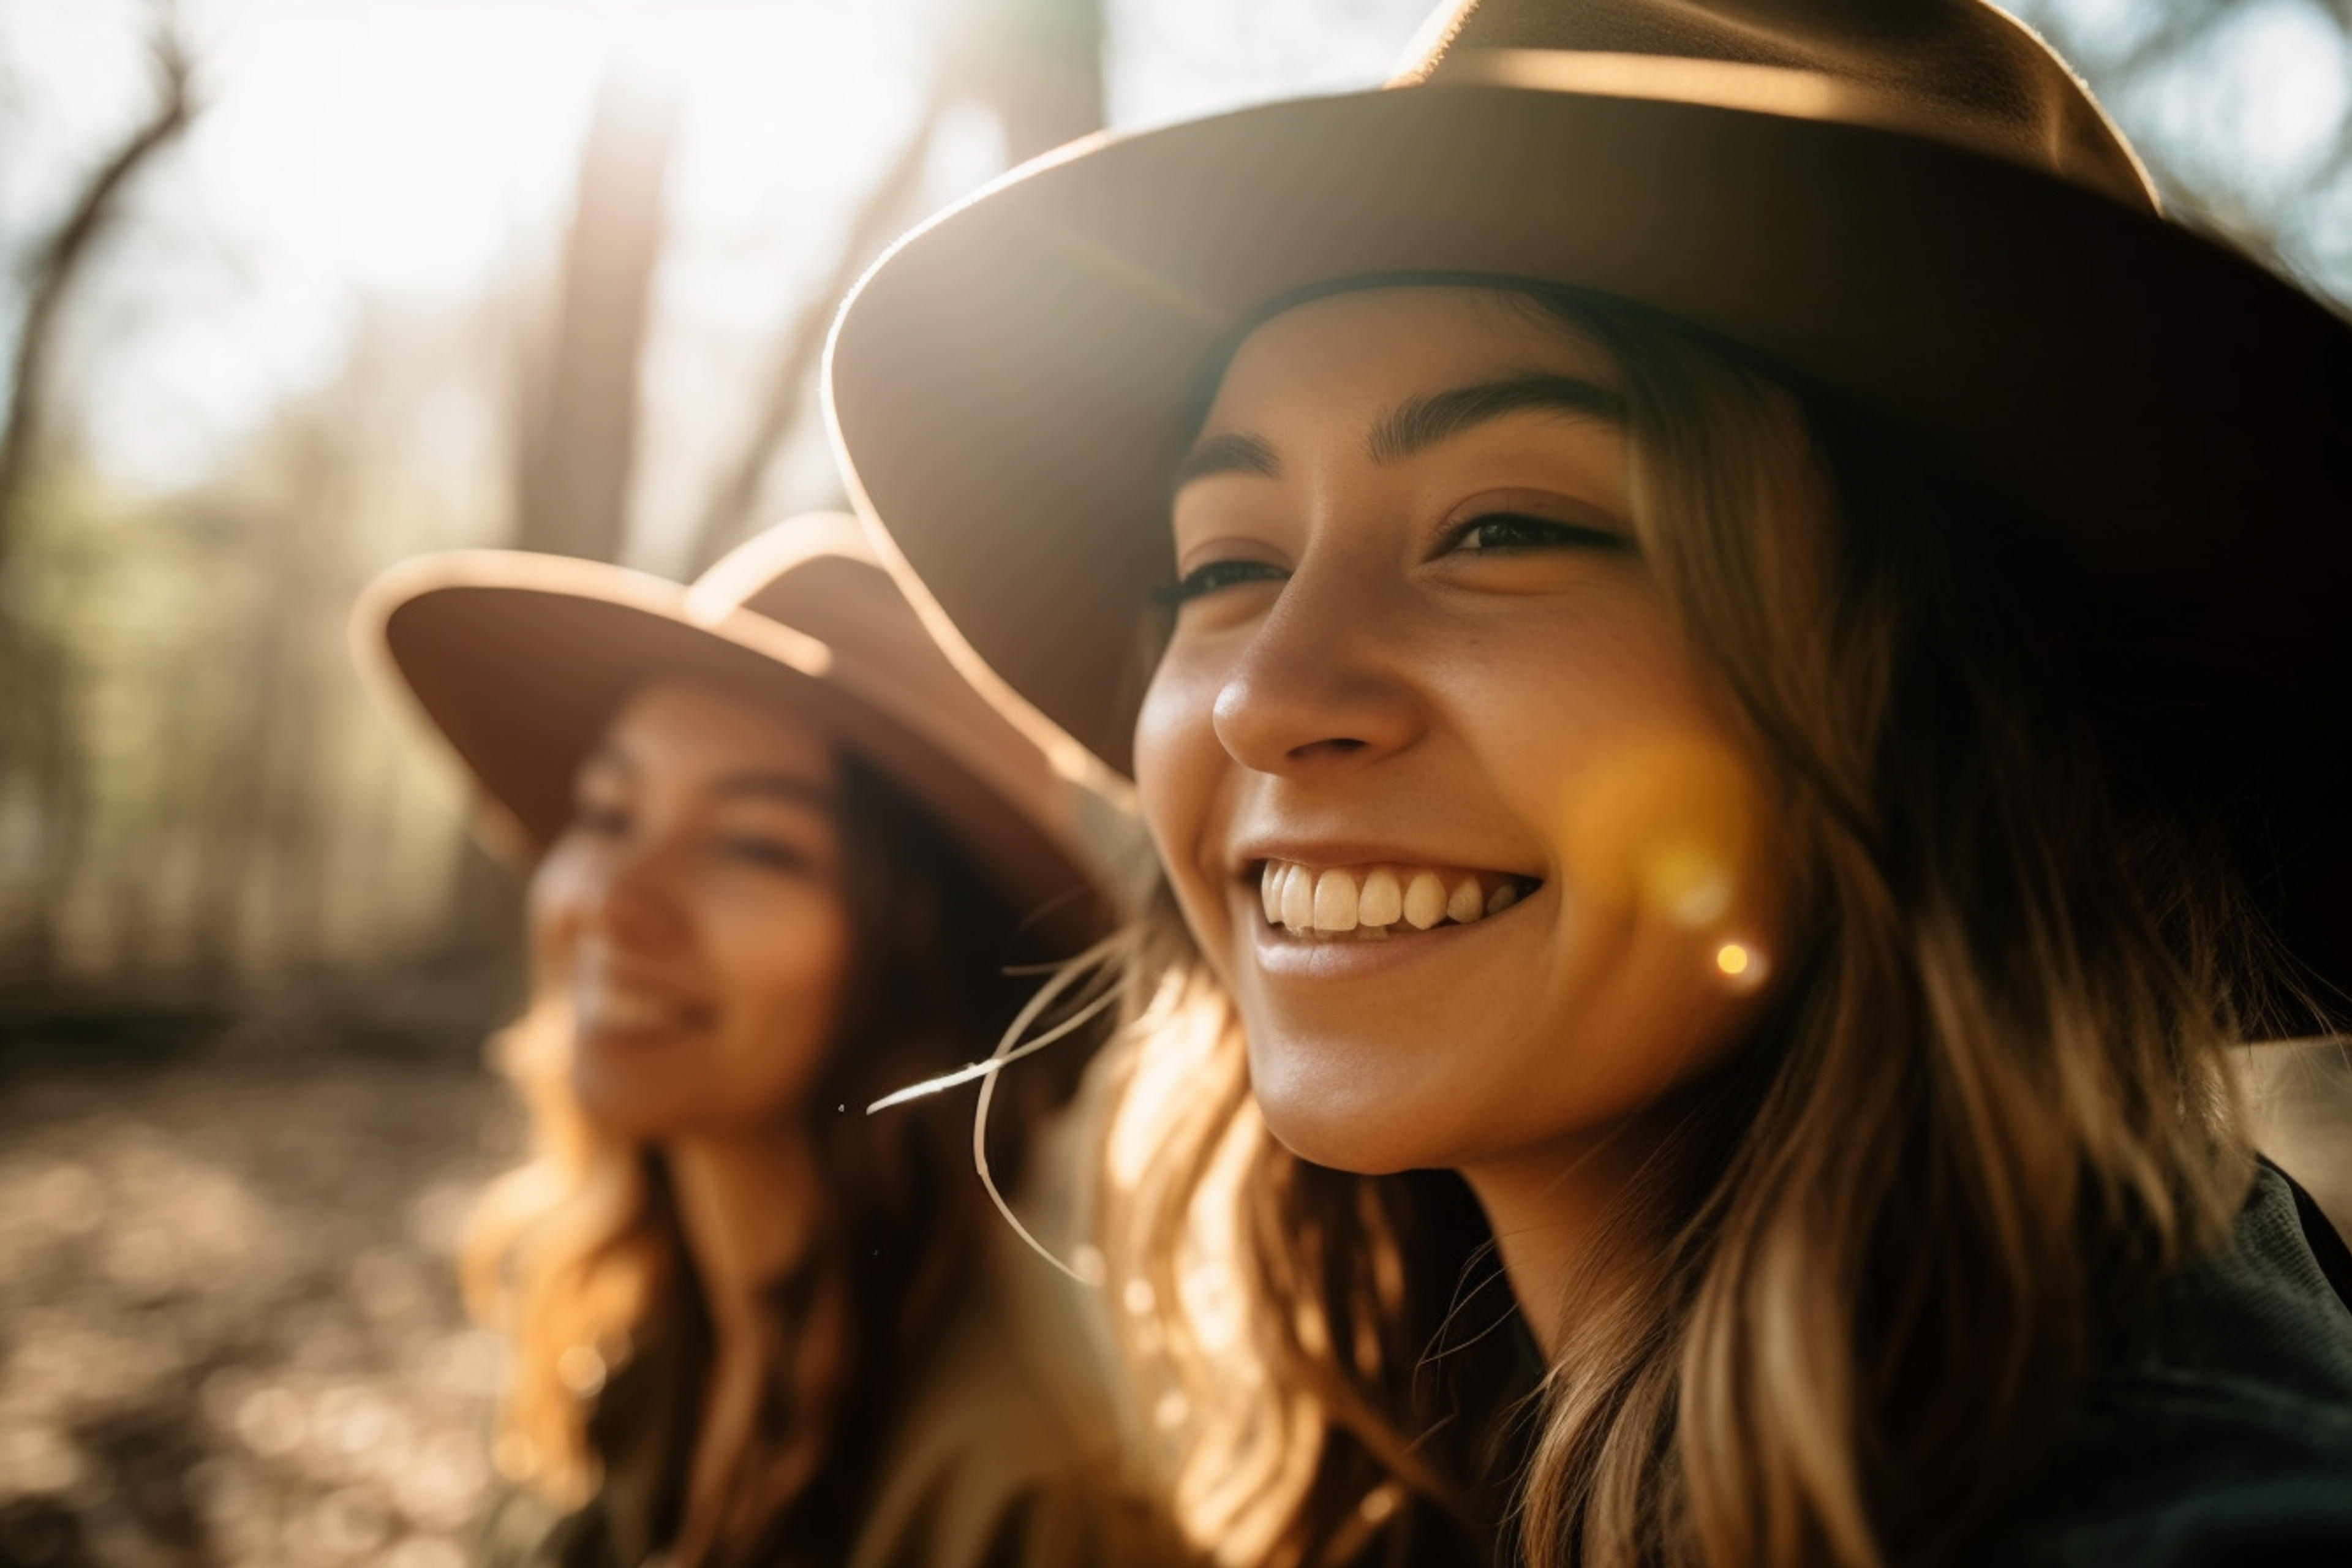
(1362, 933)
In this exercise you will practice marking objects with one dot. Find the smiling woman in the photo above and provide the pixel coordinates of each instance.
(694, 914)
(1436, 596)
(1730, 762)
(781, 854)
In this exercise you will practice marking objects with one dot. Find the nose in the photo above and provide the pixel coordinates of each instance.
(1324, 683)
(634, 901)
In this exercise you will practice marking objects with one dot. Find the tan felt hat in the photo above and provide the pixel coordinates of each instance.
(519, 659)
(1911, 204)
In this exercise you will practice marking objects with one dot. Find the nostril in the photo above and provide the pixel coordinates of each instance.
(1338, 747)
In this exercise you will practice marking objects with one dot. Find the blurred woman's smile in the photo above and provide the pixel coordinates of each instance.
(607, 1003)
(1439, 786)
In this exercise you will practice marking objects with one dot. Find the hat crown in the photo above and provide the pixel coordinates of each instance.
(816, 575)
(1960, 70)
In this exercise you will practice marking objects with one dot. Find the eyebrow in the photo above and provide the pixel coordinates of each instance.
(1228, 454)
(1424, 422)
(791, 788)
(777, 786)
(1417, 423)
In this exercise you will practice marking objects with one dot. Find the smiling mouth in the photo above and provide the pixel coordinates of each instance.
(615, 1011)
(1373, 903)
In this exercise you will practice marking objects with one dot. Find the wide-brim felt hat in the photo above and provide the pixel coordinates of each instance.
(1912, 207)
(519, 661)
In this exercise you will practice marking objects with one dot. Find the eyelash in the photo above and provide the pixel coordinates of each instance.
(1550, 531)
(1216, 575)
(600, 819)
(614, 822)
(767, 854)
(1212, 576)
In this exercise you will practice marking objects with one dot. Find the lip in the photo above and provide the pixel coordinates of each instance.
(1282, 957)
(594, 1028)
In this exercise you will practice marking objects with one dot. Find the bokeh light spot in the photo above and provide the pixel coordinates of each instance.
(1742, 967)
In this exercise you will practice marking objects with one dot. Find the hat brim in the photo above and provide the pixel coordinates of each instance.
(521, 660)
(1009, 387)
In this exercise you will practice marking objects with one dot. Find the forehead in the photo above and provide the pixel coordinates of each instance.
(689, 730)
(1357, 354)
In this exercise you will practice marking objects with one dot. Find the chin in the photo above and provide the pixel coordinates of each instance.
(638, 1118)
(630, 1098)
(1331, 1112)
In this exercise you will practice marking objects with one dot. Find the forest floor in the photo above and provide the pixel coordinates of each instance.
(229, 1327)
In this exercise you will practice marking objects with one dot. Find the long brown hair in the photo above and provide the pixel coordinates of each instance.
(575, 1252)
(1990, 1107)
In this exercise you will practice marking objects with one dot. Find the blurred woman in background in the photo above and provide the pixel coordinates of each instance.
(1749, 709)
(781, 857)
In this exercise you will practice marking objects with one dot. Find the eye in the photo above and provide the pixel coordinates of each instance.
(1214, 577)
(601, 819)
(1511, 532)
(767, 854)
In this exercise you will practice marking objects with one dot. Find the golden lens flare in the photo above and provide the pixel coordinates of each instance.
(1742, 967)
(1670, 821)
(1690, 882)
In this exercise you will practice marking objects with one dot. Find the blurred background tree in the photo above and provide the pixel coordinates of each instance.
(45, 783)
(2241, 109)
(291, 290)
(585, 262)
(198, 809)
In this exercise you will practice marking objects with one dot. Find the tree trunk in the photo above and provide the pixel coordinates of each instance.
(580, 414)
(579, 407)
(734, 505)
(1038, 64)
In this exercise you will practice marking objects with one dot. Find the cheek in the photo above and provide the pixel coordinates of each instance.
(780, 969)
(1637, 779)
(558, 894)
(1180, 765)
(1674, 891)
(1668, 825)
(1664, 839)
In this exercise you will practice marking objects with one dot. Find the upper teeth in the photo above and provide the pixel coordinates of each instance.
(1370, 901)
(624, 1010)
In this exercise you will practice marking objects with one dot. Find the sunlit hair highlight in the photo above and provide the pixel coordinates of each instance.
(1989, 1108)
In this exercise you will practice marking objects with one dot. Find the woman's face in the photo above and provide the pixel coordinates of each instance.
(1444, 797)
(692, 916)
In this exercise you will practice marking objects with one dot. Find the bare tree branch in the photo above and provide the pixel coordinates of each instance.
(1038, 64)
(581, 418)
(732, 504)
(2184, 28)
(2208, 185)
(60, 267)
(41, 748)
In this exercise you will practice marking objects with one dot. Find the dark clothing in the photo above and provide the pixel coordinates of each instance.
(2220, 1435)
